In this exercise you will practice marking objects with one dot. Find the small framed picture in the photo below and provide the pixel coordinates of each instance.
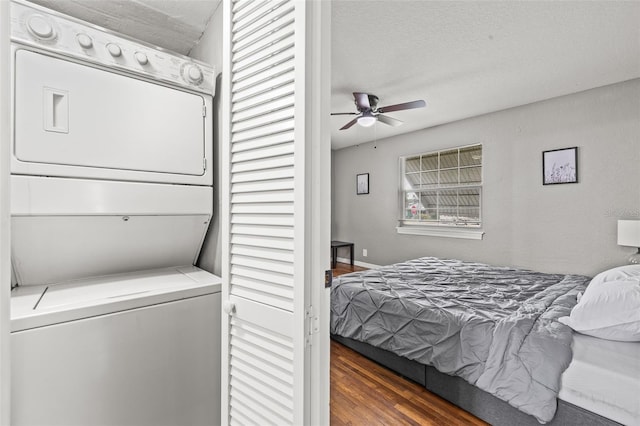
(560, 166)
(362, 183)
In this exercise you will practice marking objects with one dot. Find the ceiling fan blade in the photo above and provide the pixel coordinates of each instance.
(399, 107)
(349, 124)
(344, 113)
(389, 120)
(362, 101)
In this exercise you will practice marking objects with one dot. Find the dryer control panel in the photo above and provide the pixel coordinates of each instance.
(48, 30)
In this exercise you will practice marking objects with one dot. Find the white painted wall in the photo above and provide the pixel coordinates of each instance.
(209, 50)
(559, 228)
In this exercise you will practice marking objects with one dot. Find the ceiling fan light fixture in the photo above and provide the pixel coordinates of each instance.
(369, 112)
(366, 120)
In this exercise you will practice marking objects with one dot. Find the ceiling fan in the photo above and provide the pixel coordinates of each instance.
(369, 112)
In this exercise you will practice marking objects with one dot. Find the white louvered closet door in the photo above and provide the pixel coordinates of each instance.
(265, 252)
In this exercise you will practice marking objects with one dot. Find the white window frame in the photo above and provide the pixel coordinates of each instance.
(439, 229)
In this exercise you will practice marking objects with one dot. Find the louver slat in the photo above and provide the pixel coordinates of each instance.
(269, 140)
(257, 394)
(264, 279)
(242, 10)
(238, 6)
(254, 415)
(274, 93)
(282, 48)
(265, 108)
(263, 208)
(263, 120)
(262, 241)
(266, 130)
(262, 212)
(266, 63)
(274, 219)
(275, 20)
(262, 175)
(274, 397)
(265, 87)
(278, 295)
(264, 76)
(264, 197)
(262, 23)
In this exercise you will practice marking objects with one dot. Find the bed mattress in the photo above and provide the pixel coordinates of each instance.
(604, 377)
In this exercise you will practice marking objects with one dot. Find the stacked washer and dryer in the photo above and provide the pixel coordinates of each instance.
(111, 198)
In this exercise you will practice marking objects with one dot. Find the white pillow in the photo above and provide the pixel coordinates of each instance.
(625, 272)
(608, 310)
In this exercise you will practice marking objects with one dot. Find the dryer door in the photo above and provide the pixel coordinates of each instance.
(85, 122)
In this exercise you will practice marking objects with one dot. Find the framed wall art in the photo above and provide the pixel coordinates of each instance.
(362, 183)
(560, 166)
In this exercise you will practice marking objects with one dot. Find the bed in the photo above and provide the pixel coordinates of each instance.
(472, 333)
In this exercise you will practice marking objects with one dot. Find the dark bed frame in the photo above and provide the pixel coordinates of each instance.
(468, 397)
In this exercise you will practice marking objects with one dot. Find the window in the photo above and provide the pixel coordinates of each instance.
(442, 188)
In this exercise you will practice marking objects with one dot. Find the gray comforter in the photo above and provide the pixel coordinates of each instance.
(493, 326)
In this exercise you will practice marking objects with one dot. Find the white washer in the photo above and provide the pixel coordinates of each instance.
(132, 349)
(111, 200)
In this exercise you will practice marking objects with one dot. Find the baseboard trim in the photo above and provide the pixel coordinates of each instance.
(357, 263)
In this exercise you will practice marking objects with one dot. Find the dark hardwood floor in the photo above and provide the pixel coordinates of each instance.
(366, 393)
(345, 268)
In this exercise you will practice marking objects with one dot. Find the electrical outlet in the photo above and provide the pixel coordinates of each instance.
(364, 252)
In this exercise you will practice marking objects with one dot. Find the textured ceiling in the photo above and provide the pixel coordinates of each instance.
(471, 58)
(173, 24)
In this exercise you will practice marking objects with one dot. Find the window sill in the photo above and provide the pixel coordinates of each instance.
(448, 232)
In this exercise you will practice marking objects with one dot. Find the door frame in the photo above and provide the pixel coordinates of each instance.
(5, 228)
(319, 212)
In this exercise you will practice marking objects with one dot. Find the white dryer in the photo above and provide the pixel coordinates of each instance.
(111, 200)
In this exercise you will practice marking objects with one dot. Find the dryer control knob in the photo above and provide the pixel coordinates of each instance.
(84, 40)
(114, 50)
(193, 74)
(40, 27)
(141, 58)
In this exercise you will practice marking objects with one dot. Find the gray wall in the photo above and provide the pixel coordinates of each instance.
(209, 50)
(556, 228)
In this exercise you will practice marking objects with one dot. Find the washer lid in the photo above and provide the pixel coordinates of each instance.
(37, 306)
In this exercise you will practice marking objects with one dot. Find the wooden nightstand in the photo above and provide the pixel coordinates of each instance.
(334, 251)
